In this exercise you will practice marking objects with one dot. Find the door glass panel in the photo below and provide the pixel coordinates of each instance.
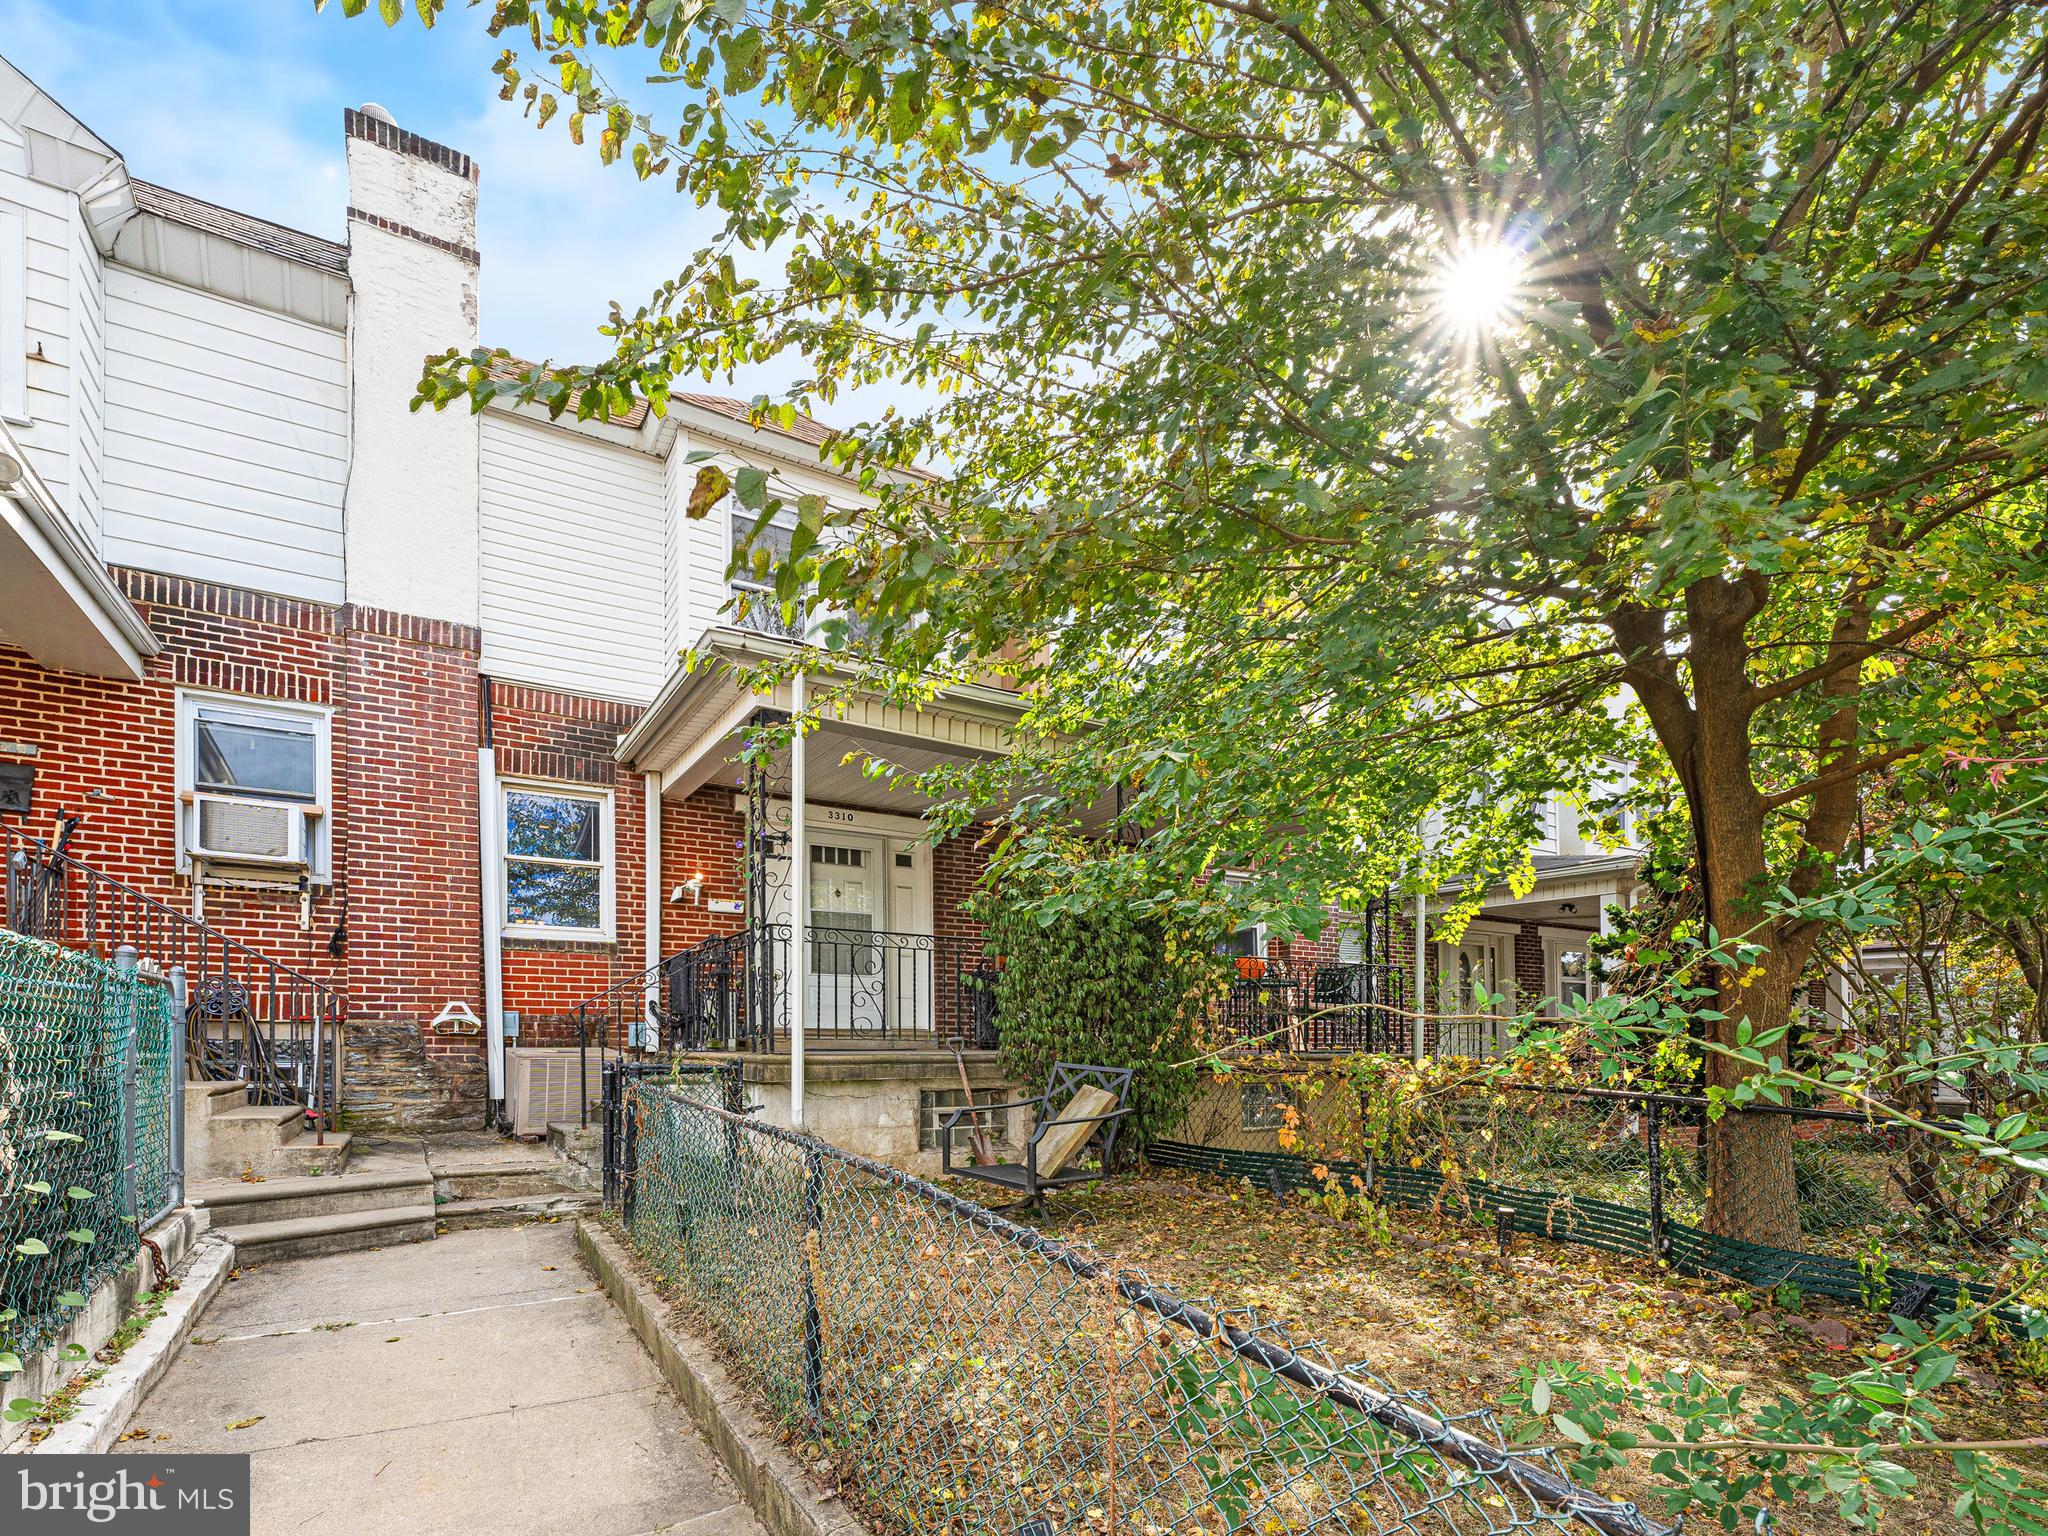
(842, 911)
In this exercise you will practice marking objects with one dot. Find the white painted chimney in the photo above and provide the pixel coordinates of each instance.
(411, 527)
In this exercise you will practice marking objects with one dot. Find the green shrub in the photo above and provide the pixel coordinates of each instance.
(1108, 989)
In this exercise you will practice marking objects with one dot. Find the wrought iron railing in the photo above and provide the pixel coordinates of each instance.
(1332, 1007)
(247, 1016)
(732, 993)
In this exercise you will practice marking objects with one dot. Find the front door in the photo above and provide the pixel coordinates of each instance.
(1471, 969)
(844, 970)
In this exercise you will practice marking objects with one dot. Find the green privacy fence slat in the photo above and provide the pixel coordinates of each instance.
(70, 1199)
(1616, 1229)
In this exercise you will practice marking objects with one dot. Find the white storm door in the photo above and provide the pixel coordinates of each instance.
(845, 972)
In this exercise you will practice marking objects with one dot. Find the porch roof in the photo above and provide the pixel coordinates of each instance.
(60, 604)
(691, 733)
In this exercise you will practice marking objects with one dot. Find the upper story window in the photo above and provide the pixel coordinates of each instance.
(755, 557)
(558, 861)
(254, 781)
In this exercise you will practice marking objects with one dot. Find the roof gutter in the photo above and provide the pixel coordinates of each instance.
(730, 648)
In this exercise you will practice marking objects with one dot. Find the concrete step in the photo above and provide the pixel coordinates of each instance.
(343, 1232)
(489, 1181)
(233, 1203)
(247, 1135)
(510, 1210)
(322, 1155)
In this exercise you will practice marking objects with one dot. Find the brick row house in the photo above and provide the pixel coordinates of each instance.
(393, 697)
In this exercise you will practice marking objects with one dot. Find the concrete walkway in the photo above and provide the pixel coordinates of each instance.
(478, 1382)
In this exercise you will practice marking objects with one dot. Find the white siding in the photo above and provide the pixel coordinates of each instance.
(45, 304)
(88, 377)
(573, 558)
(226, 440)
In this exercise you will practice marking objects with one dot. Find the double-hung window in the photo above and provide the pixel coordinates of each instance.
(234, 751)
(758, 548)
(557, 861)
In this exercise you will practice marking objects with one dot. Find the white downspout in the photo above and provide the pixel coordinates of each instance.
(799, 906)
(651, 789)
(493, 921)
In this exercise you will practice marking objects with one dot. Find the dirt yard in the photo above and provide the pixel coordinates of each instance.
(1437, 1309)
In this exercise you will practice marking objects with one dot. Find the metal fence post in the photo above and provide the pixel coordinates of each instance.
(814, 1333)
(1654, 1147)
(176, 1068)
(125, 969)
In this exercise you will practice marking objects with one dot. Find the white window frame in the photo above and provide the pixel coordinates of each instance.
(13, 316)
(607, 862)
(735, 584)
(1555, 944)
(271, 713)
(193, 705)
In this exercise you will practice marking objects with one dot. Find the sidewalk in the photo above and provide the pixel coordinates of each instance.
(476, 1382)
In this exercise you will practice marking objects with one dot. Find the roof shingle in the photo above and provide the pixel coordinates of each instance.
(242, 228)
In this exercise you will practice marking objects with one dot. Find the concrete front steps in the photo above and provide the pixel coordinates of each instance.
(484, 1187)
(295, 1217)
(226, 1136)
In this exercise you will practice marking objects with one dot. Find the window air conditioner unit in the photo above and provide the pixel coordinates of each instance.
(229, 829)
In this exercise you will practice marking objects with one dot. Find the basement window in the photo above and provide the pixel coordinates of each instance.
(934, 1104)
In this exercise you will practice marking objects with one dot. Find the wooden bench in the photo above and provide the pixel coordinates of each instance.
(1080, 1103)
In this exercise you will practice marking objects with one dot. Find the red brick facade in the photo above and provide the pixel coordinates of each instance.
(398, 926)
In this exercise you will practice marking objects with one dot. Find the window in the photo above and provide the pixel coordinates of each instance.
(255, 749)
(755, 556)
(1263, 1106)
(558, 861)
(1571, 974)
(1351, 946)
(1248, 942)
(934, 1104)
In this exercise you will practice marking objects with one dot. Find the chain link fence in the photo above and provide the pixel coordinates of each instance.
(90, 1127)
(964, 1374)
(1619, 1170)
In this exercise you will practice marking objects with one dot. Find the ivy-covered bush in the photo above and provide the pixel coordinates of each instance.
(1109, 989)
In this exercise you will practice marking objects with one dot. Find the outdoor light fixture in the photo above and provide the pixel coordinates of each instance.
(10, 470)
(1567, 907)
(691, 890)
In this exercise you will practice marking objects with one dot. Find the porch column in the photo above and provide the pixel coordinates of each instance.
(799, 905)
(1421, 974)
(650, 786)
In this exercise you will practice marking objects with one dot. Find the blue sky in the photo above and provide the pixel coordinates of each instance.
(240, 102)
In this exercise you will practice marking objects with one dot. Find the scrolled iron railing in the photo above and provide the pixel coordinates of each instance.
(247, 1016)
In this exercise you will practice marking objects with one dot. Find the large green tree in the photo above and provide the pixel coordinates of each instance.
(1342, 405)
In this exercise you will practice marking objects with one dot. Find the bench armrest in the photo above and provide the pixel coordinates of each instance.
(1102, 1119)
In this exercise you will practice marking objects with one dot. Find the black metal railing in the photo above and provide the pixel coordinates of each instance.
(1331, 1007)
(247, 1016)
(732, 993)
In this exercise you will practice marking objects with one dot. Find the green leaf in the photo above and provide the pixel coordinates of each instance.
(751, 486)
(31, 1246)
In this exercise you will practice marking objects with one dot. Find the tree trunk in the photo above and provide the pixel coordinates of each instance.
(1751, 1192)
